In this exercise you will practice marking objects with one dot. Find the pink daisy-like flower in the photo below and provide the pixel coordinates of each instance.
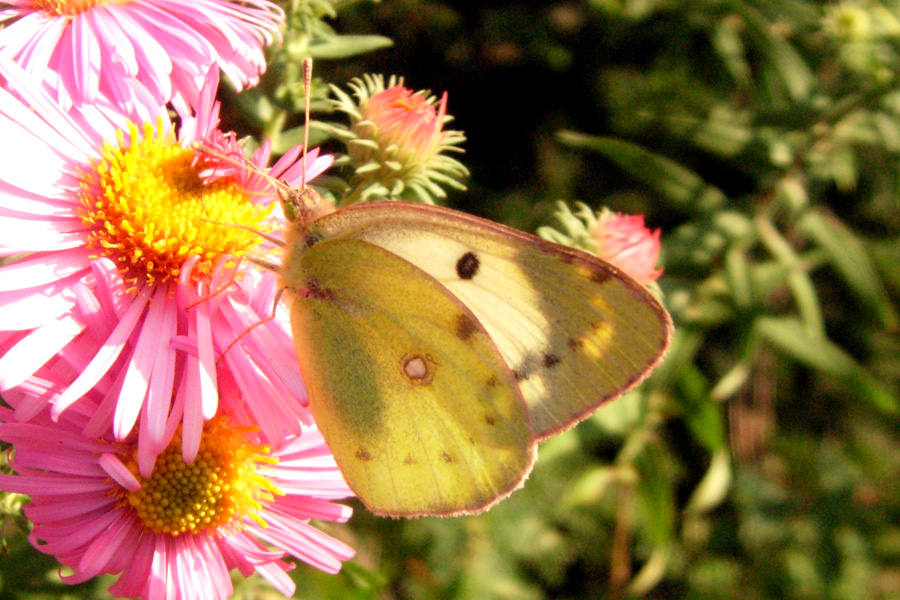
(624, 241)
(244, 504)
(90, 48)
(125, 284)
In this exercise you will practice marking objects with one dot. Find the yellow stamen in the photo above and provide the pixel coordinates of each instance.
(223, 485)
(68, 8)
(150, 210)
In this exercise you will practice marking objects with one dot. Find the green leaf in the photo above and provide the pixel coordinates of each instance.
(714, 486)
(702, 414)
(848, 256)
(668, 178)
(344, 46)
(651, 572)
(656, 492)
(790, 70)
(294, 137)
(790, 336)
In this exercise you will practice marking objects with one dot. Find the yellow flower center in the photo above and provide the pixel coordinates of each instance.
(68, 8)
(149, 209)
(221, 487)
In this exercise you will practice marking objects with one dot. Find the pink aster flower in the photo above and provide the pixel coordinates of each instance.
(126, 281)
(624, 241)
(90, 48)
(244, 504)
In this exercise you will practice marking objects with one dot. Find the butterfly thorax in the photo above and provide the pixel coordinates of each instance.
(302, 207)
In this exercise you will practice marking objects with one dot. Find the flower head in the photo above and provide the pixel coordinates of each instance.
(244, 503)
(164, 47)
(396, 142)
(400, 118)
(127, 286)
(624, 241)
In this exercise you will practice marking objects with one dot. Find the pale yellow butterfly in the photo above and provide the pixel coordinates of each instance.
(439, 348)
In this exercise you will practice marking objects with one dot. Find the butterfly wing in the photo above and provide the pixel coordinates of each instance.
(419, 409)
(575, 330)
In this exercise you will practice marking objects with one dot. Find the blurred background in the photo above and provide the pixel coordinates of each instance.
(762, 459)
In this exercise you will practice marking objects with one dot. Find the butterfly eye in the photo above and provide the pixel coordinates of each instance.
(311, 240)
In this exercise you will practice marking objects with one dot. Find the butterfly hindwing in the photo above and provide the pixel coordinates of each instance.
(574, 330)
(421, 412)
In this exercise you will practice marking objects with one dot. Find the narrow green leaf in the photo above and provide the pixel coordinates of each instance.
(702, 414)
(848, 256)
(737, 272)
(294, 137)
(790, 336)
(714, 486)
(344, 46)
(651, 573)
(668, 178)
(730, 47)
(656, 492)
(793, 73)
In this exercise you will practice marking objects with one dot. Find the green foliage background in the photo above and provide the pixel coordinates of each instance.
(762, 459)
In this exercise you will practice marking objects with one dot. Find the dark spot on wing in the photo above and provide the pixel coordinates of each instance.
(409, 460)
(467, 265)
(446, 456)
(551, 360)
(465, 327)
(314, 291)
(310, 240)
(574, 344)
(600, 275)
(520, 375)
(363, 455)
(493, 381)
(490, 420)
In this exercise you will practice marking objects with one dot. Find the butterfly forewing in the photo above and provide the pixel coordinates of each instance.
(574, 330)
(419, 409)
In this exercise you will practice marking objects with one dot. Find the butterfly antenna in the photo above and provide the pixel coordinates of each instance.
(307, 87)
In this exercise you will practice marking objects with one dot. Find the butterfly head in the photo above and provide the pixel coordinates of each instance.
(302, 205)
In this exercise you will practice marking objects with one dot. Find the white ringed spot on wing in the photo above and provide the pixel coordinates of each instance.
(417, 369)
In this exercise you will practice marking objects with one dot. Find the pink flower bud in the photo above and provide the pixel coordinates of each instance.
(407, 121)
(624, 241)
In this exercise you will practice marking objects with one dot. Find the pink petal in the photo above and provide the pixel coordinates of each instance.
(50, 486)
(118, 472)
(27, 309)
(107, 543)
(275, 575)
(87, 57)
(69, 507)
(42, 269)
(162, 381)
(33, 351)
(137, 377)
(105, 357)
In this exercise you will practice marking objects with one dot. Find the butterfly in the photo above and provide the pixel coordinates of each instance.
(439, 348)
